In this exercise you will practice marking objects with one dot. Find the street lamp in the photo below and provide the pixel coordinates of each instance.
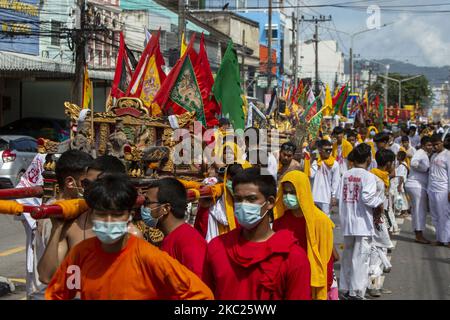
(400, 86)
(352, 36)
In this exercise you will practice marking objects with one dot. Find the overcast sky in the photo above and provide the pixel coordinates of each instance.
(421, 38)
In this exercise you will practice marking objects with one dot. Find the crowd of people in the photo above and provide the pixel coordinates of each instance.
(268, 236)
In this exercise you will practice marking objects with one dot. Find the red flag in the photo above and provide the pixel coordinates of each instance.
(181, 92)
(205, 81)
(123, 73)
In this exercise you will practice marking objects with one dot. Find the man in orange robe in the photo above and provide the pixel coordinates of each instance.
(116, 264)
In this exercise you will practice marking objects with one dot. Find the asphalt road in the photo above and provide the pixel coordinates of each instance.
(12, 255)
(419, 272)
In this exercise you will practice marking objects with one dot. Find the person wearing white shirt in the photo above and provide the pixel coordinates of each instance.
(414, 137)
(406, 145)
(439, 190)
(416, 187)
(326, 175)
(357, 195)
(392, 145)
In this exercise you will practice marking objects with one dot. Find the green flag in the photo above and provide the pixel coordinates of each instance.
(227, 88)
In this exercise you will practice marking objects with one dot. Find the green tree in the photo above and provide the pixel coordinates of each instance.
(415, 90)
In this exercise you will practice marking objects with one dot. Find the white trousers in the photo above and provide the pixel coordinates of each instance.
(419, 208)
(325, 207)
(354, 275)
(440, 215)
(378, 262)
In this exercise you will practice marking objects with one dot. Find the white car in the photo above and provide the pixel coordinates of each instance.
(16, 154)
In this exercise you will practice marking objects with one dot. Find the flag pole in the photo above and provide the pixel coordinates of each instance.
(318, 113)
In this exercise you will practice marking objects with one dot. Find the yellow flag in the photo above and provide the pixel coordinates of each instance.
(183, 45)
(151, 83)
(88, 94)
(328, 103)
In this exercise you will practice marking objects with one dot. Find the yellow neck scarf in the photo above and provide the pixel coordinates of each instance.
(407, 160)
(329, 162)
(346, 148)
(319, 230)
(383, 175)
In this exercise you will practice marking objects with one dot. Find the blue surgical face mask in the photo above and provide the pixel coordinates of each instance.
(230, 186)
(372, 133)
(248, 214)
(110, 232)
(290, 201)
(146, 215)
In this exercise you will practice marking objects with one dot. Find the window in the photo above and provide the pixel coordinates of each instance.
(56, 33)
(274, 32)
(24, 145)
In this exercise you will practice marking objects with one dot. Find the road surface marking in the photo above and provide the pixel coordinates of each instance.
(24, 298)
(11, 251)
(20, 280)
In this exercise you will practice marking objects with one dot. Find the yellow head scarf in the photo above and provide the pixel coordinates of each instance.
(383, 175)
(229, 203)
(370, 129)
(319, 230)
(346, 149)
(407, 160)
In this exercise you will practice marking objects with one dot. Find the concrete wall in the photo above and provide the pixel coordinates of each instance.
(331, 62)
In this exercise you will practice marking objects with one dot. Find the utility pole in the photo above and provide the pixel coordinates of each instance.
(80, 55)
(294, 48)
(181, 19)
(244, 87)
(269, 50)
(316, 41)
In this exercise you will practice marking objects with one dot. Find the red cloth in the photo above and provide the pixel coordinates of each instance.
(295, 224)
(187, 246)
(276, 269)
(201, 221)
(298, 226)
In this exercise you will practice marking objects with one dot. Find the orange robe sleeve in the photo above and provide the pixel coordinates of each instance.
(178, 280)
(66, 281)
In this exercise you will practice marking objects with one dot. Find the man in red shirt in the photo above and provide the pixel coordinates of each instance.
(252, 262)
(165, 209)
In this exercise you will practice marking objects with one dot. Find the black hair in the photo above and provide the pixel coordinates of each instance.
(447, 142)
(172, 191)
(108, 164)
(224, 121)
(436, 137)
(323, 143)
(401, 155)
(351, 156)
(111, 192)
(424, 140)
(234, 169)
(337, 130)
(361, 153)
(381, 137)
(405, 138)
(266, 183)
(384, 156)
(288, 146)
(351, 133)
(72, 163)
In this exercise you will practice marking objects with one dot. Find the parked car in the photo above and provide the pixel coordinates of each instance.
(16, 154)
(53, 129)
